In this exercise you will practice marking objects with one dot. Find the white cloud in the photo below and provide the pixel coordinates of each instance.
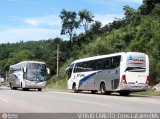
(49, 20)
(34, 28)
(21, 34)
(134, 1)
(107, 18)
(33, 22)
(41, 31)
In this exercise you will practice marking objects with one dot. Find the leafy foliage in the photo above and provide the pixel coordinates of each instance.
(69, 23)
(44, 50)
(86, 18)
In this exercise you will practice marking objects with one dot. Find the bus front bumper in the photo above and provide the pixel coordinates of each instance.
(34, 85)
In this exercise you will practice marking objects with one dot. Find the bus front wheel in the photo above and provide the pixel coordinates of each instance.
(74, 88)
(94, 91)
(39, 89)
(12, 88)
(124, 93)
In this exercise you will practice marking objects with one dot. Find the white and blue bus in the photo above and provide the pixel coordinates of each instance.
(123, 72)
(28, 75)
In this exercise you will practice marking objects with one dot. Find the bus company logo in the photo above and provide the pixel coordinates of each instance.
(135, 60)
(4, 115)
(130, 57)
(80, 75)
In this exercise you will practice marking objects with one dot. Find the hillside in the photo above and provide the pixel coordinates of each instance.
(138, 31)
(44, 50)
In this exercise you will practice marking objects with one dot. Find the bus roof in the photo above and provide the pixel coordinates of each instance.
(101, 56)
(28, 62)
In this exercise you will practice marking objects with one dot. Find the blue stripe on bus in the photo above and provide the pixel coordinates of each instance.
(86, 78)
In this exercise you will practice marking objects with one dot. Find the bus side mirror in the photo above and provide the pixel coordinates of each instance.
(24, 69)
(48, 71)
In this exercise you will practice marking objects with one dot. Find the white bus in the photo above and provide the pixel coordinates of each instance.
(123, 72)
(28, 75)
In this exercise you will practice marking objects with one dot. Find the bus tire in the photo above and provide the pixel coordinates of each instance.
(11, 86)
(103, 88)
(39, 89)
(74, 88)
(14, 88)
(25, 89)
(93, 91)
(21, 85)
(124, 93)
(108, 92)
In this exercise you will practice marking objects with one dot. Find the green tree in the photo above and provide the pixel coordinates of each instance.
(147, 6)
(131, 16)
(96, 27)
(156, 11)
(86, 18)
(21, 55)
(69, 23)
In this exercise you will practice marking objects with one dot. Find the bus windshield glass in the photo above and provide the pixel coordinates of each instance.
(36, 72)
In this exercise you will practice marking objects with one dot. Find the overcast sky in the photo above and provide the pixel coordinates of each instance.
(27, 20)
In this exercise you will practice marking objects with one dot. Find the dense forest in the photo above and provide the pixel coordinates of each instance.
(138, 31)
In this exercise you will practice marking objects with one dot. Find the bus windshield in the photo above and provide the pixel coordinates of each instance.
(36, 72)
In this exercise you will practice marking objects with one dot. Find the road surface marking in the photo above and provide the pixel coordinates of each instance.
(90, 102)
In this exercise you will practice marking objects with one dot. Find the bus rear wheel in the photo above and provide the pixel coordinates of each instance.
(103, 88)
(74, 88)
(94, 91)
(12, 88)
(124, 93)
(25, 89)
(39, 89)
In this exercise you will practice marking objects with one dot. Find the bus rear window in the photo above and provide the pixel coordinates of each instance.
(136, 69)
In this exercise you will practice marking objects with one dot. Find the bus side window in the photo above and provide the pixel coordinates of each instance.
(115, 62)
(99, 64)
(105, 63)
(84, 65)
(79, 67)
(90, 65)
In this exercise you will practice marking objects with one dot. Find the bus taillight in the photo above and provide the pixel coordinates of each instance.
(124, 79)
(147, 80)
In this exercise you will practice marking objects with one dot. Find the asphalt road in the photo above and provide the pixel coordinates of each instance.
(52, 101)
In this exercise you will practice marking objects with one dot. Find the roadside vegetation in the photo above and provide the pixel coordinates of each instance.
(138, 31)
(148, 93)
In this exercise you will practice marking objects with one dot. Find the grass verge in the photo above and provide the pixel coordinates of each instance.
(149, 93)
(62, 84)
(56, 84)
